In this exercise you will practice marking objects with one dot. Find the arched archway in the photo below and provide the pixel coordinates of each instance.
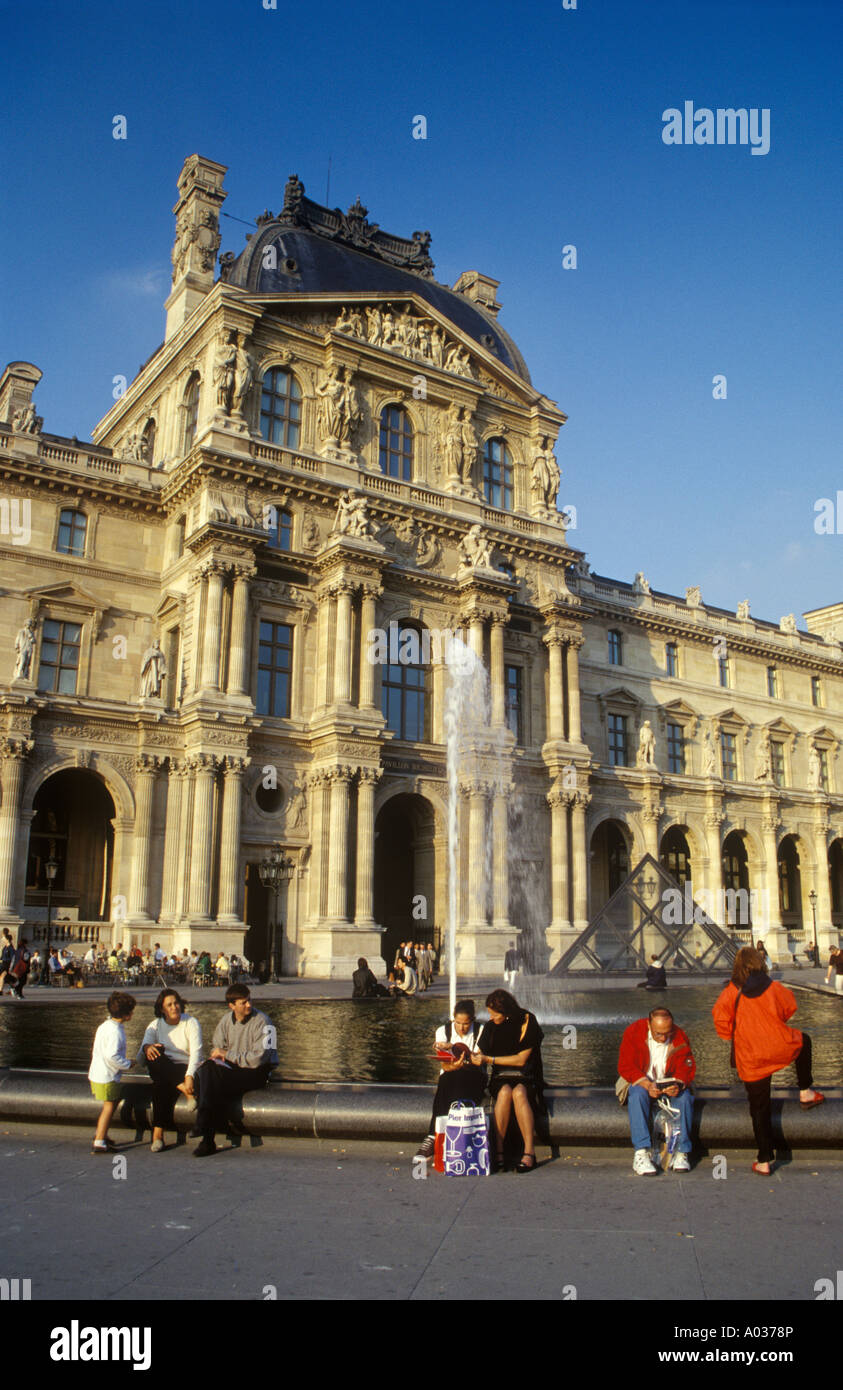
(609, 859)
(790, 884)
(72, 823)
(405, 872)
(835, 873)
(675, 855)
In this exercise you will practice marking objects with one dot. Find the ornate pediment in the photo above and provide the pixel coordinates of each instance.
(353, 228)
(67, 598)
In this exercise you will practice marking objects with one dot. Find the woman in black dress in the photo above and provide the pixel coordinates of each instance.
(511, 1043)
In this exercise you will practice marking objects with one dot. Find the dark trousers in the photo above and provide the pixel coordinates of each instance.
(760, 1101)
(216, 1087)
(466, 1084)
(166, 1075)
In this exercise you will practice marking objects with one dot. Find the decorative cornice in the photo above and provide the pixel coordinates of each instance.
(352, 228)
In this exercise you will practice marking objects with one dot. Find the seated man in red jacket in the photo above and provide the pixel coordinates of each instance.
(656, 1059)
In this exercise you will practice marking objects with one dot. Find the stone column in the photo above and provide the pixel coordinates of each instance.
(498, 683)
(651, 815)
(559, 801)
(714, 884)
(826, 933)
(770, 927)
(203, 821)
(342, 648)
(14, 752)
(199, 580)
(477, 792)
(322, 665)
(368, 621)
(146, 771)
(364, 907)
(574, 718)
(476, 637)
(185, 838)
(318, 866)
(238, 667)
(555, 726)
(338, 846)
(212, 636)
(500, 851)
(120, 880)
(579, 805)
(172, 840)
(228, 913)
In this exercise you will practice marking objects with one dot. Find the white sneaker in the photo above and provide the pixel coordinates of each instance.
(680, 1163)
(642, 1163)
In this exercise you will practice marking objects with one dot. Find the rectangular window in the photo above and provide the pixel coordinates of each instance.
(676, 749)
(724, 672)
(816, 691)
(822, 754)
(513, 678)
(777, 762)
(60, 644)
(773, 682)
(617, 740)
(671, 659)
(729, 757)
(615, 649)
(275, 665)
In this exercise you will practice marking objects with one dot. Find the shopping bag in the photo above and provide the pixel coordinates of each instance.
(466, 1141)
(439, 1144)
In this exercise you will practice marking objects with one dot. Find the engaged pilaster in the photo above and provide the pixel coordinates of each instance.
(228, 913)
(14, 752)
(146, 772)
(364, 907)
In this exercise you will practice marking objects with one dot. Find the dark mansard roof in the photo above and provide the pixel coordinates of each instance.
(321, 250)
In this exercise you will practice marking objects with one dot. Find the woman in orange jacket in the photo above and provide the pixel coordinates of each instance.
(752, 1014)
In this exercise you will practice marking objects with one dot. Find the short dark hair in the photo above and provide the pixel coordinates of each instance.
(362, 963)
(120, 1004)
(158, 1006)
(464, 1006)
(237, 992)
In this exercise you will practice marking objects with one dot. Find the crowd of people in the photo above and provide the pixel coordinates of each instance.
(20, 965)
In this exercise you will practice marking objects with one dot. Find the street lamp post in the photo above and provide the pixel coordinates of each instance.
(274, 871)
(812, 899)
(51, 868)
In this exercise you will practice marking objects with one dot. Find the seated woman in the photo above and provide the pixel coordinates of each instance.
(458, 1080)
(172, 1047)
(511, 1042)
(204, 968)
(406, 982)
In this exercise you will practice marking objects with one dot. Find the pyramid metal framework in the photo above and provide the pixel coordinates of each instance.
(631, 927)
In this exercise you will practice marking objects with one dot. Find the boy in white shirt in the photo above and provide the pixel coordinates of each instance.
(107, 1062)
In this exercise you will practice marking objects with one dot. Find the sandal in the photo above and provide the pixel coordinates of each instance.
(497, 1163)
(819, 1098)
(524, 1166)
(756, 1168)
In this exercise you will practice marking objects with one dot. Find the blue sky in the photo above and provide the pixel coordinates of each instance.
(544, 130)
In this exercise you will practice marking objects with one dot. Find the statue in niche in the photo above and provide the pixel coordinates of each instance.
(763, 758)
(24, 650)
(297, 809)
(244, 372)
(331, 395)
(310, 532)
(646, 746)
(743, 610)
(709, 757)
(452, 441)
(545, 476)
(469, 449)
(133, 449)
(815, 770)
(374, 322)
(224, 363)
(475, 550)
(352, 517)
(153, 671)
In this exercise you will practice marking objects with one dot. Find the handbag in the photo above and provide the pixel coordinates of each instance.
(622, 1090)
(466, 1141)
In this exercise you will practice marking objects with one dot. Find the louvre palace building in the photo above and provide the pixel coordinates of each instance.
(330, 444)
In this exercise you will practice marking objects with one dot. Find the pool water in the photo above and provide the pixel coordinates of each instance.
(391, 1040)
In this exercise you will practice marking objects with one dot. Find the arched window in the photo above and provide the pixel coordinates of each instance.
(73, 528)
(279, 524)
(497, 474)
(148, 442)
(191, 413)
(281, 408)
(396, 443)
(404, 687)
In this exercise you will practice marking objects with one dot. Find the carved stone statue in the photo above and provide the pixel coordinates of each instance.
(545, 476)
(788, 623)
(709, 757)
(339, 410)
(693, 596)
(640, 585)
(374, 323)
(134, 448)
(452, 441)
(475, 550)
(646, 746)
(25, 421)
(297, 809)
(352, 518)
(763, 758)
(224, 360)
(153, 671)
(352, 414)
(743, 610)
(244, 372)
(815, 771)
(24, 650)
(437, 345)
(469, 450)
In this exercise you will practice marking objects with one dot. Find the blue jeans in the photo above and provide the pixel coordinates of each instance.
(640, 1105)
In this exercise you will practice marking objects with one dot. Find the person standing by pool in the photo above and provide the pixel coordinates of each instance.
(458, 1079)
(172, 1049)
(752, 1013)
(108, 1061)
(511, 1043)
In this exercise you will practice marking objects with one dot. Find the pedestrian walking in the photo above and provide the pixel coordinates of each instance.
(108, 1062)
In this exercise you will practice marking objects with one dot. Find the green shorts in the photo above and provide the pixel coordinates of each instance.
(106, 1090)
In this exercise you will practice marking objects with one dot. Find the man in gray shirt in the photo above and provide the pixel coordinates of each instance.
(242, 1057)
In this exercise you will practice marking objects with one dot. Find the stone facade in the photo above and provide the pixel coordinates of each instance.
(187, 610)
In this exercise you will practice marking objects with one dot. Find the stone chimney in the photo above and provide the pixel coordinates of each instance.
(16, 387)
(194, 255)
(480, 288)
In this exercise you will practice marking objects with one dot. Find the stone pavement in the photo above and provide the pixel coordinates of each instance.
(301, 1220)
